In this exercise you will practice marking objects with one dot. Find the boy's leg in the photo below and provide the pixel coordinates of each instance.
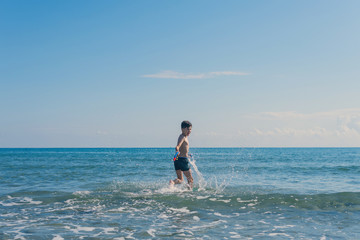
(189, 177)
(179, 178)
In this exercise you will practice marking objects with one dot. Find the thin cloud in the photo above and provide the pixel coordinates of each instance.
(293, 132)
(340, 113)
(341, 122)
(227, 73)
(178, 75)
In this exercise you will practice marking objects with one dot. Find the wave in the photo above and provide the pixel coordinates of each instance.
(252, 198)
(148, 209)
(240, 197)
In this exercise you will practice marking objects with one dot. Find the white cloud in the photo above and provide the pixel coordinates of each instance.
(341, 113)
(343, 122)
(293, 132)
(281, 115)
(349, 124)
(176, 75)
(336, 128)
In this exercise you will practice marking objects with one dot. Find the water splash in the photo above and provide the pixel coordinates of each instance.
(201, 181)
(215, 183)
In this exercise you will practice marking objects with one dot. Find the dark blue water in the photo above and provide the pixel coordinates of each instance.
(251, 193)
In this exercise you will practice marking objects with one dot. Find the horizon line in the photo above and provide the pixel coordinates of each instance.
(150, 147)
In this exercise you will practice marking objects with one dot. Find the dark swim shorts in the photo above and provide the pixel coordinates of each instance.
(182, 163)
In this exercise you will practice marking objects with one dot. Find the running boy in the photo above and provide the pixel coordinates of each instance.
(182, 163)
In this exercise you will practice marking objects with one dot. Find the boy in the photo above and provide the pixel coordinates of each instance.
(182, 162)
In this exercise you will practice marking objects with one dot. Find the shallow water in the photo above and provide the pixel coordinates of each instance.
(298, 193)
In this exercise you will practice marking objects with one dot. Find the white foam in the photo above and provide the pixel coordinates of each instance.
(182, 210)
(278, 234)
(130, 235)
(79, 229)
(170, 188)
(9, 214)
(16, 201)
(151, 232)
(235, 235)
(221, 215)
(82, 193)
(182, 233)
(70, 201)
(110, 230)
(285, 226)
(31, 201)
(220, 200)
(201, 197)
(210, 225)
(19, 234)
(86, 229)
(239, 227)
(196, 218)
(9, 204)
(58, 237)
(243, 201)
(117, 210)
(163, 216)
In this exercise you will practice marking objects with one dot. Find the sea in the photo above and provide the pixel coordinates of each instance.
(124, 193)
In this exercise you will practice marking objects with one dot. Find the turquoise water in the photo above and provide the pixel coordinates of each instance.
(240, 193)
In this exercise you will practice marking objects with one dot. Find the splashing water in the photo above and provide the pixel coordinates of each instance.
(201, 181)
(218, 185)
(201, 185)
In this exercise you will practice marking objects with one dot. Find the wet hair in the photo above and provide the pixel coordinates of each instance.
(186, 124)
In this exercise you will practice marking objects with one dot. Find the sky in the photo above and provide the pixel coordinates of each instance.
(264, 73)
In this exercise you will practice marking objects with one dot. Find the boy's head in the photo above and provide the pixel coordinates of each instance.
(186, 128)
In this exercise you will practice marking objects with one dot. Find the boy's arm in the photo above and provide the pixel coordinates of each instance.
(180, 141)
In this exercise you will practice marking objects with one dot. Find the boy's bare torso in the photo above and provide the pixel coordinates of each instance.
(184, 147)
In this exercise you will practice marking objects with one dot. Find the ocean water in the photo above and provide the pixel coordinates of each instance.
(239, 193)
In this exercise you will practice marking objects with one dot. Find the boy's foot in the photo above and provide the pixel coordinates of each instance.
(172, 182)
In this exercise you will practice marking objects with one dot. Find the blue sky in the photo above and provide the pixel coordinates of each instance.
(126, 73)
